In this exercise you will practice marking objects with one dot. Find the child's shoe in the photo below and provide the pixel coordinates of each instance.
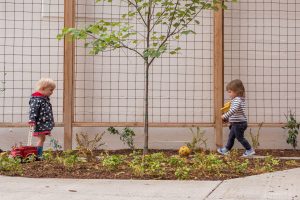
(249, 152)
(223, 151)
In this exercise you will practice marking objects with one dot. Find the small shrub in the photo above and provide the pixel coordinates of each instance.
(183, 173)
(83, 141)
(293, 127)
(11, 165)
(198, 139)
(238, 166)
(150, 164)
(85, 145)
(48, 155)
(154, 164)
(291, 163)
(68, 159)
(269, 163)
(112, 162)
(136, 164)
(255, 136)
(176, 161)
(126, 135)
(54, 143)
(210, 163)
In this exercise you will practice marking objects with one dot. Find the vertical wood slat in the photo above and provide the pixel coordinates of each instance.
(69, 57)
(218, 74)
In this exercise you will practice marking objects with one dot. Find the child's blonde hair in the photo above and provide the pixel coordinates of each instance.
(45, 83)
(237, 87)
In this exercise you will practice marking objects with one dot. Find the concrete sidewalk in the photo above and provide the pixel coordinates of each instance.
(283, 185)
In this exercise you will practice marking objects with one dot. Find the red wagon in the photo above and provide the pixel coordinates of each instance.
(23, 152)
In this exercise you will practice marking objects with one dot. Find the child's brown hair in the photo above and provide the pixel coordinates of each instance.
(236, 86)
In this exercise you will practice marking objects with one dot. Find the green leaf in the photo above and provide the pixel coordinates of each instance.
(197, 22)
(162, 37)
(188, 32)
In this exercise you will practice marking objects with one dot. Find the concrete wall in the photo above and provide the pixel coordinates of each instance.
(160, 138)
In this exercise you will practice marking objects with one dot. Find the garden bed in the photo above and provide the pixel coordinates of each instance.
(159, 164)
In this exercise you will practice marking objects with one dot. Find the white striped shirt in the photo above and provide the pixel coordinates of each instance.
(237, 109)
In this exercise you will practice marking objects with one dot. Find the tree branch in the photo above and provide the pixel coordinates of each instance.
(172, 18)
(174, 32)
(136, 7)
(129, 48)
(156, 22)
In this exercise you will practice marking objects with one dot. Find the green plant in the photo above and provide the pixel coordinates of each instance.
(293, 128)
(151, 164)
(11, 165)
(291, 163)
(29, 159)
(54, 143)
(154, 164)
(126, 135)
(242, 167)
(68, 159)
(176, 161)
(112, 162)
(255, 136)
(162, 22)
(198, 139)
(48, 155)
(136, 164)
(210, 163)
(183, 173)
(269, 163)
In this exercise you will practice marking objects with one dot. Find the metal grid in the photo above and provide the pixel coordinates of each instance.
(110, 86)
(262, 45)
(29, 50)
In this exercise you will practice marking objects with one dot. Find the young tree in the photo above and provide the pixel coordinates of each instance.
(163, 21)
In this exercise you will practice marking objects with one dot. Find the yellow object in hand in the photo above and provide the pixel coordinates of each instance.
(226, 107)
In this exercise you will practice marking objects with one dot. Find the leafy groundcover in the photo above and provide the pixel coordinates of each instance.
(158, 164)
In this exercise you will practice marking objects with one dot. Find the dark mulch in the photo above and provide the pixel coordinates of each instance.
(95, 170)
(279, 152)
(260, 152)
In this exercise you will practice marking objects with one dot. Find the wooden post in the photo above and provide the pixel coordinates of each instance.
(218, 74)
(69, 55)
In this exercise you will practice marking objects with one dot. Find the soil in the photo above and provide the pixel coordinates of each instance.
(95, 170)
(279, 152)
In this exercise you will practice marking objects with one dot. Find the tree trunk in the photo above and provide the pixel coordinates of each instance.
(146, 122)
(147, 65)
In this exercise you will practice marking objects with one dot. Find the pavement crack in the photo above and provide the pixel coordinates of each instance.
(213, 190)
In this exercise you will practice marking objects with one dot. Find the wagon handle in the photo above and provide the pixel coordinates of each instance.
(29, 137)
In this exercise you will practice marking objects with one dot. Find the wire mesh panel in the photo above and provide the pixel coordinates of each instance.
(110, 86)
(29, 50)
(262, 45)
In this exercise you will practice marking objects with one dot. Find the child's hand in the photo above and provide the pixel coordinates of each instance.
(31, 125)
(223, 119)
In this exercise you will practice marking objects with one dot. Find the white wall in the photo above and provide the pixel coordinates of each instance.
(261, 48)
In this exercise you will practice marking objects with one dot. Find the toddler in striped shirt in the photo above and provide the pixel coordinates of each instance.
(237, 118)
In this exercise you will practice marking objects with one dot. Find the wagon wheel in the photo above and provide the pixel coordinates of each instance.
(18, 157)
(30, 158)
